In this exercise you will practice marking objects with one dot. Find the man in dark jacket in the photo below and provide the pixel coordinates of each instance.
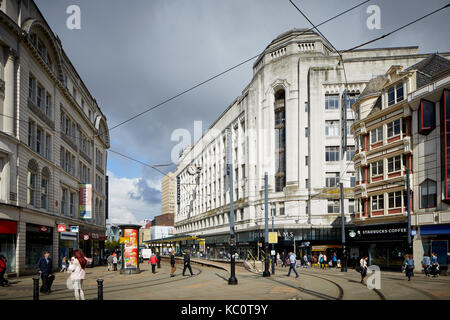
(187, 263)
(158, 263)
(172, 264)
(45, 269)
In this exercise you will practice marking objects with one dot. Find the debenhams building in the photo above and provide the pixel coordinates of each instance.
(287, 122)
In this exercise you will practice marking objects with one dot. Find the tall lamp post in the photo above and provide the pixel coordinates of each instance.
(409, 210)
(232, 280)
(344, 253)
(273, 248)
(266, 272)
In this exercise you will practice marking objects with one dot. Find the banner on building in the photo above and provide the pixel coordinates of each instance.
(71, 236)
(85, 201)
(61, 227)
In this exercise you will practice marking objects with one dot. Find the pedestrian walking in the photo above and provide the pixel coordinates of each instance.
(434, 265)
(110, 261)
(3, 262)
(363, 267)
(63, 265)
(292, 259)
(114, 261)
(153, 261)
(426, 264)
(278, 259)
(409, 266)
(334, 260)
(158, 260)
(305, 261)
(172, 264)
(45, 269)
(187, 263)
(320, 260)
(77, 269)
(325, 262)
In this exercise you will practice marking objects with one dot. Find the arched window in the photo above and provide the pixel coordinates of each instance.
(428, 194)
(45, 178)
(280, 140)
(33, 169)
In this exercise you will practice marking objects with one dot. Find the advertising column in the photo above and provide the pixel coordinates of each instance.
(130, 254)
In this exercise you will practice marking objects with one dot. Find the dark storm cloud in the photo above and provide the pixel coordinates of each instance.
(146, 193)
(135, 54)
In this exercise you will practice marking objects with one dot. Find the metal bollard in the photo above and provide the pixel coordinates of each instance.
(36, 288)
(100, 289)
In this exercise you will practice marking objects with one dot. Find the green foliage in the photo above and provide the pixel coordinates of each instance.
(112, 245)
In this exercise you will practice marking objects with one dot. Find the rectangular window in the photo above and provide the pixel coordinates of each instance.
(331, 154)
(352, 97)
(48, 145)
(332, 179)
(48, 105)
(72, 204)
(427, 116)
(31, 195)
(44, 193)
(31, 88)
(306, 160)
(376, 134)
(40, 97)
(351, 206)
(395, 199)
(352, 180)
(281, 209)
(399, 91)
(393, 128)
(378, 202)
(428, 194)
(332, 128)
(306, 106)
(31, 134)
(306, 132)
(331, 101)
(306, 183)
(349, 124)
(377, 168)
(39, 140)
(394, 164)
(333, 206)
(391, 96)
(350, 152)
(63, 201)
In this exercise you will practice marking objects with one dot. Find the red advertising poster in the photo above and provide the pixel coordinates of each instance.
(131, 248)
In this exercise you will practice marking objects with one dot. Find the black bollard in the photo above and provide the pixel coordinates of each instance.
(100, 289)
(36, 288)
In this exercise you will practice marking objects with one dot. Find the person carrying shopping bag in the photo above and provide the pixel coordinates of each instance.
(77, 269)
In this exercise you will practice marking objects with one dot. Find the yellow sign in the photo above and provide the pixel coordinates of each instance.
(273, 237)
(124, 240)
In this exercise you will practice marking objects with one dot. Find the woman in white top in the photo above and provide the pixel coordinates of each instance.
(363, 267)
(77, 270)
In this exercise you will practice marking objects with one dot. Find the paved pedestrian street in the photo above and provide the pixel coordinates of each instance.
(211, 283)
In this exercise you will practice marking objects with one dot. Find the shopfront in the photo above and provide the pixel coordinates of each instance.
(435, 239)
(8, 240)
(67, 245)
(38, 240)
(384, 244)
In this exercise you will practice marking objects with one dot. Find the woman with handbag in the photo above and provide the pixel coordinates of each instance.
(77, 269)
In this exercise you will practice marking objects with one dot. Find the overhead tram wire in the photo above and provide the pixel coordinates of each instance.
(398, 29)
(226, 71)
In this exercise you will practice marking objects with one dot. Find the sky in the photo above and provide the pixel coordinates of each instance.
(135, 54)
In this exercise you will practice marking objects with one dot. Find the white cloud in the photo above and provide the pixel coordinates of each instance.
(123, 208)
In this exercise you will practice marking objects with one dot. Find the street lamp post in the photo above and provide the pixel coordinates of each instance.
(266, 272)
(232, 280)
(273, 248)
(409, 210)
(344, 253)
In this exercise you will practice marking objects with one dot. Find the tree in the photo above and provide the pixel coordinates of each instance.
(112, 245)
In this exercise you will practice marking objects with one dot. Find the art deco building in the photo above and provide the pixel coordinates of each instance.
(287, 122)
(53, 136)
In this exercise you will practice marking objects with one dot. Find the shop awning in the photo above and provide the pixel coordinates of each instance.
(8, 227)
(436, 229)
(172, 239)
(325, 247)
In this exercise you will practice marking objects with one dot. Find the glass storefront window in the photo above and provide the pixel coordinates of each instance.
(8, 249)
(37, 242)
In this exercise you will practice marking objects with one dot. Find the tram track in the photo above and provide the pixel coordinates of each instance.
(66, 293)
